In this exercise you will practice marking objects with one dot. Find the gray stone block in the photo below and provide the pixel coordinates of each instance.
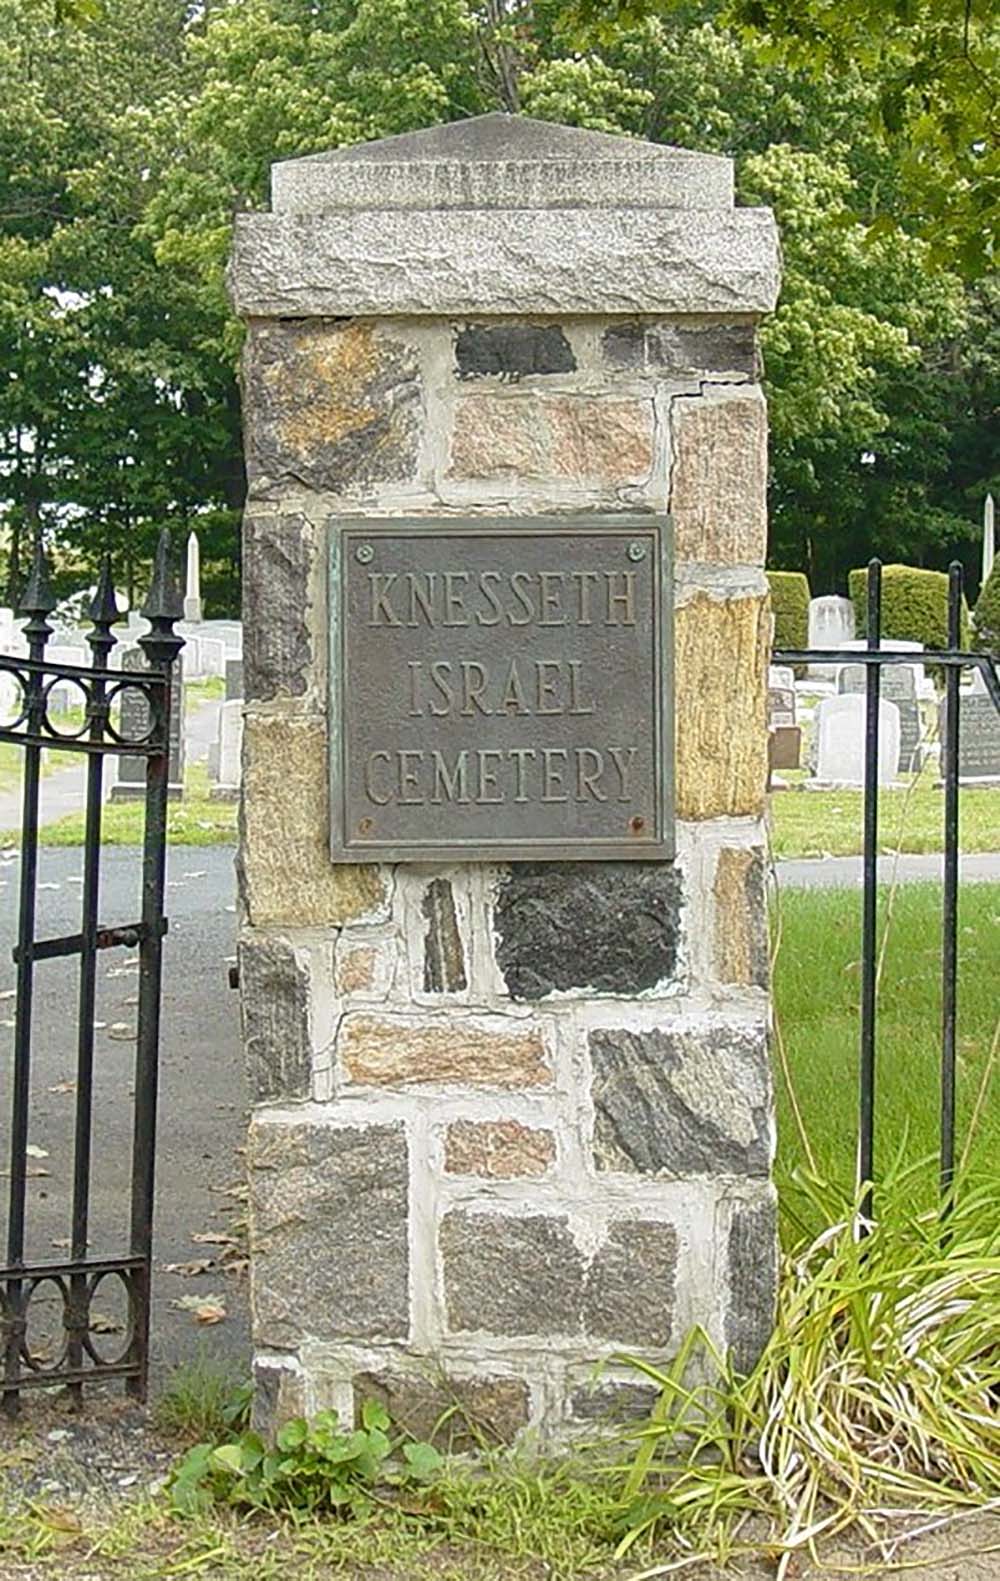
(458, 1414)
(277, 650)
(683, 348)
(510, 1275)
(475, 262)
(274, 1001)
(630, 1287)
(444, 951)
(332, 406)
(753, 1282)
(611, 1402)
(695, 1101)
(512, 351)
(328, 1217)
(611, 927)
(502, 161)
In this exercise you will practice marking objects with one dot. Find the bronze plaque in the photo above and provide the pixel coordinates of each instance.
(501, 689)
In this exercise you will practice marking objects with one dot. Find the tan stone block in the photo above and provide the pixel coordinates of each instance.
(397, 1052)
(548, 438)
(288, 877)
(741, 953)
(497, 1149)
(718, 489)
(720, 671)
(356, 972)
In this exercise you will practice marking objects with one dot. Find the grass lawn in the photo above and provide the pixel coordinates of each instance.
(197, 820)
(829, 823)
(817, 989)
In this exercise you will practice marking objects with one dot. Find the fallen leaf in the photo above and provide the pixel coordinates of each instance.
(200, 873)
(8, 1023)
(64, 1086)
(204, 1309)
(121, 1031)
(100, 1323)
(236, 1265)
(48, 886)
(36, 1173)
(33, 1151)
(128, 1003)
(9, 993)
(59, 1520)
(191, 1270)
(214, 1238)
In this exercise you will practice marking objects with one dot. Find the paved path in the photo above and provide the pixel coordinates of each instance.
(844, 872)
(64, 791)
(202, 1103)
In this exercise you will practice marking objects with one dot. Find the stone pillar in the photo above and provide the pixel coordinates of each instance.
(508, 1121)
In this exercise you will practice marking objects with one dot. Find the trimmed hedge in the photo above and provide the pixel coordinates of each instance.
(790, 608)
(987, 617)
(914, 605)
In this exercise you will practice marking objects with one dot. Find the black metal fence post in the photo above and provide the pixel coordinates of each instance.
(949, 941)
(161, 646)
(869, 904)
(37, 603)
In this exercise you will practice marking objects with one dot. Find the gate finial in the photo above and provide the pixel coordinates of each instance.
(38, 600)
(162, 608)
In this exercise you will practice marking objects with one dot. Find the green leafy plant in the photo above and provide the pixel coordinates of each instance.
(914, 605)
(314, 1467)
(876, 1391)
(204, 1398)
(790, 608)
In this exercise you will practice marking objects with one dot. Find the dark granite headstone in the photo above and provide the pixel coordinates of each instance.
(978, 737)
(134, 722)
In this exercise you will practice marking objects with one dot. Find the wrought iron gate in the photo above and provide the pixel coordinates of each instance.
(33, 727)
(952, 660)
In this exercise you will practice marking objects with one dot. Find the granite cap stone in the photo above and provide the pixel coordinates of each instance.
(504, 215)
(502, 161)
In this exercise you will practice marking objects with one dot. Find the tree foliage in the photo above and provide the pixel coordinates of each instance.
(130, 139)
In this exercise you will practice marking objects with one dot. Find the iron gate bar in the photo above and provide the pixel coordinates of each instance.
(949, 910)
(869, 903)
(104, 939)
(77, 1278)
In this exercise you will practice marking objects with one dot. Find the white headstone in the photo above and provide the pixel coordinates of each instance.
(840, 730)
(831, 621)
(989, 539)
(781, 675)
(230, 744)
(192, 590)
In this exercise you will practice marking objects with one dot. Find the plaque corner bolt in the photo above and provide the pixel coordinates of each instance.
(364, 553)
(636, 550)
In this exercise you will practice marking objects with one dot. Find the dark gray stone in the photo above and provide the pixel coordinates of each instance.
(897, 684)
(277, 652)
(444, 955)
(630, 1286)
(612, 1402)
(681, 1103)
(753, 1282)
(509, 1275)
(274, 1001)
(328, 1214)
(683, 348)
(278, 1396)
(331, 404)
(234, 680)
(512, 351)
(459, 1415)
(612, 927)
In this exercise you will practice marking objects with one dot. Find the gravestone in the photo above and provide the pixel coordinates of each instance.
(234, 679)
(840, 741)
(831, 624)
(512, 1105)
(227, 751)
(898, 684)
(785, 744)
(781, 675)
(130, 783)
(978, 737)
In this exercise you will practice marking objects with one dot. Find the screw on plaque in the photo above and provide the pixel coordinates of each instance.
(636, 550)
(365, 553)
